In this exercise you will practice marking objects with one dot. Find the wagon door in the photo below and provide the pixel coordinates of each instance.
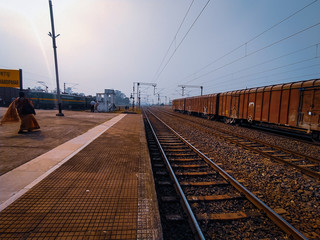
(309, 108)
(234, 111)
(251, 105)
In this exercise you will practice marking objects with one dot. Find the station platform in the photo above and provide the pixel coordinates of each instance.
(98, 185)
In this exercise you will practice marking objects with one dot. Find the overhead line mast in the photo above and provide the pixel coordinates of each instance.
(190, 86)
(138, 92)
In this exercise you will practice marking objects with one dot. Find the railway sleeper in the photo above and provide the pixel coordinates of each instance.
(161, 173)
(158, 165)
(204, 183)
(175, 144)
(180, 154)
(254, 145)
(267, 151)
(169, 199)
(189, 166)
(170, 147)
(174, 217)
(308, 165)
(293, 159)
(164, 183)
(186, 159)
(168, 142)
(280, 155)
(215, 197)
(172, 151)
(226, 216)
(195, 173)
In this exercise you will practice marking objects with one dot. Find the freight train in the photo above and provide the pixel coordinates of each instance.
(293, 106)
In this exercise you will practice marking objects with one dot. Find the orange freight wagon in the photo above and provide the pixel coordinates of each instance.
(294, 104)
(178, 104)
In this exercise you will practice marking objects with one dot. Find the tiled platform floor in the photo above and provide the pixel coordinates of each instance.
(103, 192)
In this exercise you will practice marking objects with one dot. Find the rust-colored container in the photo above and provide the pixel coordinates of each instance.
(213, 104)
(309, 105)
(294, 104)
(178, 104)
(225, 104)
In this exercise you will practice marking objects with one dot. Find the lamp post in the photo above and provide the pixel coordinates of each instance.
(53, 36)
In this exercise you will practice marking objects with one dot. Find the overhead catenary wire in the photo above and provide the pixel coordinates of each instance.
(184, 37)
(250, 40)
(265, 62)
(254, 52)
(174, 38)
(278, 80)
(270, 70)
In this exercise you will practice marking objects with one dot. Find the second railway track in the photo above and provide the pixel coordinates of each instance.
(307, 164)
(221, 206)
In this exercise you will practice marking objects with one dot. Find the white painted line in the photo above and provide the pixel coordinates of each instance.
(13, 184)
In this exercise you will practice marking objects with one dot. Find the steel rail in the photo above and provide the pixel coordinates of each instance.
(185, 202)
(256, 140)
(307, 171)
(277, 219)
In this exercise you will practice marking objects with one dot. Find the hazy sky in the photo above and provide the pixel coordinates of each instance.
(224, 45)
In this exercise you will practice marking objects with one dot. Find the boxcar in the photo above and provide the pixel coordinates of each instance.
(213, 105)
(179, 104)
(296, 105)
(206, 106)
(293, 105)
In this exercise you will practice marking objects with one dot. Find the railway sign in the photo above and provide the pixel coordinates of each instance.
(11, 78)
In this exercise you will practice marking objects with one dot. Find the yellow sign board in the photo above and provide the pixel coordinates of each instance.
(9, 78)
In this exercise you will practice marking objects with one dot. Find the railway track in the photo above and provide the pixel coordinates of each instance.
(307, 164)
(217, 205)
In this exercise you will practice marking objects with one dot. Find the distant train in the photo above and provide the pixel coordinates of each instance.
(294, 106)
(44, 100)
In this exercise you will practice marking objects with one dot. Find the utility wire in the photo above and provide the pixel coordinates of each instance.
(244, 44)
(278, 81)
(267, 76)
(174, 38)
(268, 61)
(238, 59)
(182, 40)
(276, 68)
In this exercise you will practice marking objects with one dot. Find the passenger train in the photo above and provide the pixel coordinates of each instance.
(45, 100)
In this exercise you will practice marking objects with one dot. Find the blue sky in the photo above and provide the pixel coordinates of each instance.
(114, 43)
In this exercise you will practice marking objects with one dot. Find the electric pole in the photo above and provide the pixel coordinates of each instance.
(53, 36)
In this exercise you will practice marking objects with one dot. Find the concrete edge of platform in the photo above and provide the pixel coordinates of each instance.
(148, 196)
(18, 181)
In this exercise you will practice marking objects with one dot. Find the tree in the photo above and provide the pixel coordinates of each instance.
(121, 98)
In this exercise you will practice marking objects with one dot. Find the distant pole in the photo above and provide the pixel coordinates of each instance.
(21, 81)
(53, 36)
(138, 95)
(133, 98)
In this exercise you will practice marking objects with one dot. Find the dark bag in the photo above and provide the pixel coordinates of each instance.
(27, 108)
